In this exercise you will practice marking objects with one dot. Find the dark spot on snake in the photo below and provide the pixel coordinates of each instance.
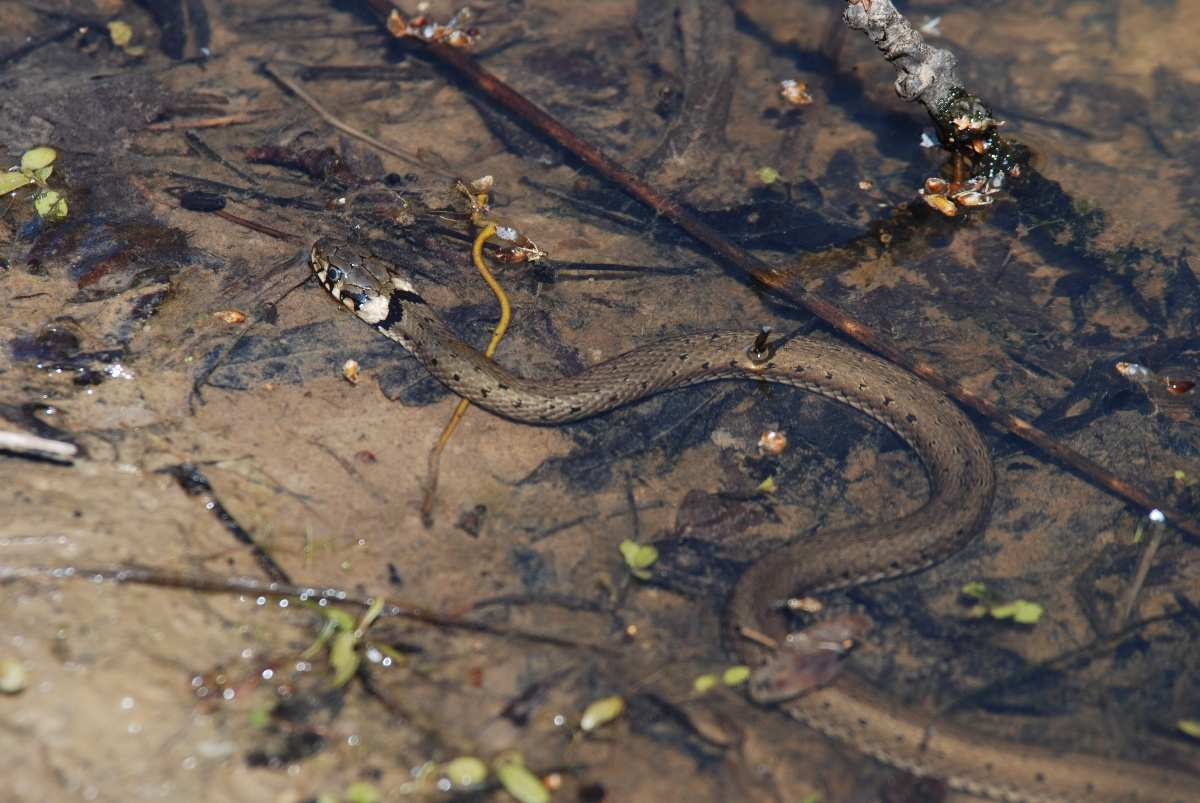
(829, 374)
(888, 401)
(517, 403)
(433, 361)
(502, 386)
(910, 418)
(683, 356)
(706, 365)
(395, 311)
(455, 377)
(1040, 777)
(408, 295)
(574, 409)
(484, 392)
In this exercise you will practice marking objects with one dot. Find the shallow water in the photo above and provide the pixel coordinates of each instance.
(110, 341)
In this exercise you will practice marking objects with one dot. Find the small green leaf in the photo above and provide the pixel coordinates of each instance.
(736, 675)
(13, 181)
(50, 205)
(768, 175)
(638, 557)
(975, 589)
(371, 614)
(465, 772)
(704, 683)
(1021, 611)
(519, 782)
(42, 173)
(14, 677)
(120, 33)
(343, 657)
(812, 797)
(361, 792)
(768, 485)
(37, 158)
(260, 717)
(604, 710)
(1190, 727)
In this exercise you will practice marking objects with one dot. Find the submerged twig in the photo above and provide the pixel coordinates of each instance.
(778, 280)
(346, 128)
(201, 581)
(1129, 599)
(23, 443)
(195, 483)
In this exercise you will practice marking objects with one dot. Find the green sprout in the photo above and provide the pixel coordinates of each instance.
(344, 639)
(37, 164)
(639, 558)
(990, 604)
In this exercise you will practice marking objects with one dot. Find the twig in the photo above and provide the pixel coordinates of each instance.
(1147, 560)
(1087, 652)
(194, 483)
(202, 581)
(21, 443)
(347, 129)
(237, 118)
(778, 280)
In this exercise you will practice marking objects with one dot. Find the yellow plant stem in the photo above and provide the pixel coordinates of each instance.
(435, 454)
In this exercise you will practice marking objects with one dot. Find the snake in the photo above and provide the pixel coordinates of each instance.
(961, 483)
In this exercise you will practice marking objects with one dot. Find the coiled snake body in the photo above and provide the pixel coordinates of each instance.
(961, 488)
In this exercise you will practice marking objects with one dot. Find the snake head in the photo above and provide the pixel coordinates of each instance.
(375, 296)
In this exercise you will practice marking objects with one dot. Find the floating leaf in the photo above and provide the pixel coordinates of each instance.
(812, 797)
(362, 792)
(704, 683)
(37, 158)
(519, 782)
(1020, 611)
(1190, 727)
(344, 658)
(638, 557)
(768, 485)
(50, 205)
(42, 173)
(13, 181)
(465, 772)
(975, 589)
(600, 712)
(735, 675)
(767, 175)
(120, 33)
(14, 677)
(992, 604)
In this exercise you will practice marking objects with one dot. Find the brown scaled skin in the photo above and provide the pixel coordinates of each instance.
(961, 482)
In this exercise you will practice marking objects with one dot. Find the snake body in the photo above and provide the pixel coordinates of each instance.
(961, 482)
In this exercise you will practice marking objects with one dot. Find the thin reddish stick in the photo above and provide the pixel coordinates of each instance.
(779, 281)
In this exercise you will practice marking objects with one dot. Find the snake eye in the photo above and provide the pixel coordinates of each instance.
(334, 275)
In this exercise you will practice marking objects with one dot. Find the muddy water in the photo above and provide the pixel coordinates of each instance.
(110, 341)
